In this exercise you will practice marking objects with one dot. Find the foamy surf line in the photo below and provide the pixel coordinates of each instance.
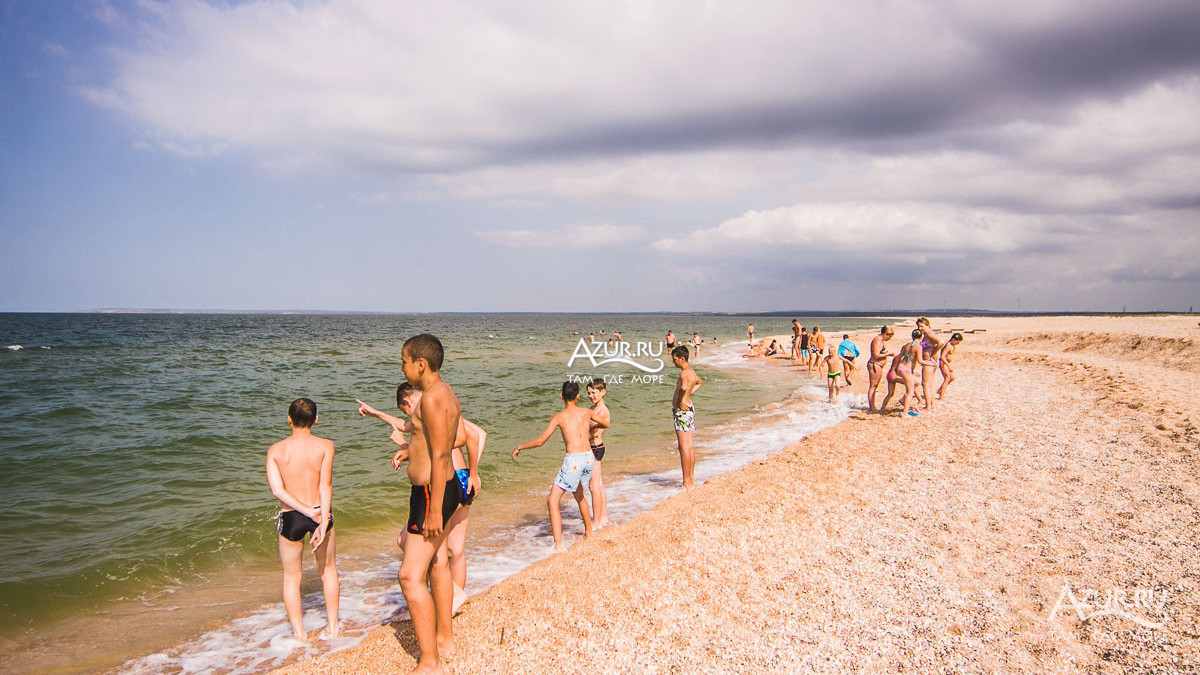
(261, 640)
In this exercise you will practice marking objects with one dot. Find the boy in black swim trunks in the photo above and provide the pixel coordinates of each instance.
(300, 473)
(596, 391)
(469, 436)
(436, 494)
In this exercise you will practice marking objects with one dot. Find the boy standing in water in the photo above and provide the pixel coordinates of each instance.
(436, 495)
(574, 423)
(300, 473)
(469, 436)
(835, 367)
(684, 413)
(601, 421)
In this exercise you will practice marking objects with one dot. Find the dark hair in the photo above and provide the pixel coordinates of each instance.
(598, 383)
(845, 336)
(886, 330)
(957, 336)
(302, 413)
(917, 333)
(570, 391)
(681, 351)
(428, 347)
(403, 393)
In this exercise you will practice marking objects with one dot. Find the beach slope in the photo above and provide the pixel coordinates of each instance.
(1065, 457)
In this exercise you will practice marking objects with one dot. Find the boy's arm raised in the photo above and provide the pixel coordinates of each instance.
(396, 423)
(540, 440)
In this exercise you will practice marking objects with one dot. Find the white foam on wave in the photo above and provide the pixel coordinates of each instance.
(15, 347)
(263, 640)
(370, 596)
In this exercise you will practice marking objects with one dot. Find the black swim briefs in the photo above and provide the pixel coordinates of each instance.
(293, 525)
(598, 451)
(418, 504)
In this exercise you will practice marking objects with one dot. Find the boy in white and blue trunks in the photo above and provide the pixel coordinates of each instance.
(574, 423)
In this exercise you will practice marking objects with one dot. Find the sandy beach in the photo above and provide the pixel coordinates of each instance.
(1062, 465)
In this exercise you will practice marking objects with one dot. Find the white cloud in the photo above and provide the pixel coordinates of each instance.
(904, 228)
(568, 237)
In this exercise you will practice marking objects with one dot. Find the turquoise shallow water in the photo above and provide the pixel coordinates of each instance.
(131, 446)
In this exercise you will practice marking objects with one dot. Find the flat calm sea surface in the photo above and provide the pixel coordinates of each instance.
(133, 495)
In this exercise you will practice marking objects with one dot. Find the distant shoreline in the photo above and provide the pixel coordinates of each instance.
(882, 313)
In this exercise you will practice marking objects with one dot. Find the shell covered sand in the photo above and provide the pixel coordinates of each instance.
(1065, 456)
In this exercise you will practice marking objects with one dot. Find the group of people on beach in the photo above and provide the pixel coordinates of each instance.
(915, 366)
(432, 574)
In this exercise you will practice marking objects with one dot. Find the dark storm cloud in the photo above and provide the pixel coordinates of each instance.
(1010, 74)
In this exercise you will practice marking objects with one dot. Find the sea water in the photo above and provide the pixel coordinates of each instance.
(139, 527)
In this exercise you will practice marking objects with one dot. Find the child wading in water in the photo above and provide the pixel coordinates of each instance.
(596, 391)
(300, 473)
(835, 366)
(575, 424)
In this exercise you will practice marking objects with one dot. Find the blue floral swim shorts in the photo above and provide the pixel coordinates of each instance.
(576, 469)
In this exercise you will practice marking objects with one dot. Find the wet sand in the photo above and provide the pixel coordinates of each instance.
(1065, 457)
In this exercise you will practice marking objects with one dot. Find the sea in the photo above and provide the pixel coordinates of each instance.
(138, 526)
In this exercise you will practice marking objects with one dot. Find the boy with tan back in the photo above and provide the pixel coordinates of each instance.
(300, 473)
(684, 414)
(575, 424)
(436, 495)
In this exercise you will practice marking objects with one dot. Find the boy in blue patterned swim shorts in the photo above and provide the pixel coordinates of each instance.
(574, 423)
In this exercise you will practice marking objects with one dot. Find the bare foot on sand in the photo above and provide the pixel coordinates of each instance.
(460, 599)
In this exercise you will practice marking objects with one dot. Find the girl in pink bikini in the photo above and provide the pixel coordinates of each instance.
(903, 364)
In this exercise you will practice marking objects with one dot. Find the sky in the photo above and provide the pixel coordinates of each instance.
(599, 156)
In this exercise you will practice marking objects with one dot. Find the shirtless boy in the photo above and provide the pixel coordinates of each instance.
(469, 436)
(300, 473)
(835, 367)
(816, 345)
(602, 419)
(574, 423)
(877, 363)
(696, 343)
(684, 413)
(436, 494)
(796, 339)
